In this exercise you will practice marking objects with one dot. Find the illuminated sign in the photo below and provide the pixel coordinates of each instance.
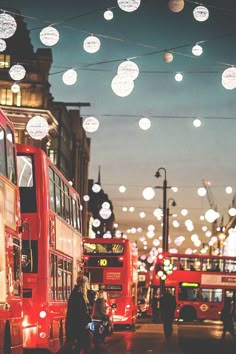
(103, 262)
(189, 284)
(95, 261)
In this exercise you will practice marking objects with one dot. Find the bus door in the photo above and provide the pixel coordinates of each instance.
(232, 293)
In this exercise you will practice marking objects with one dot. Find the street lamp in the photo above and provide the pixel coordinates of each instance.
(173, 204)
(165, 225)
(164, 188)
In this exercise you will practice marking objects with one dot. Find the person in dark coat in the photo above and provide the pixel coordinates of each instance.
(167, 308)
(77, 318)
(227, 318)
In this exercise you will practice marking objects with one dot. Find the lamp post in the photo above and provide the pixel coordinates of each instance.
(165, 225)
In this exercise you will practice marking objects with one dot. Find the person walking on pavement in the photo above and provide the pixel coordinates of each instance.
(167, 307)
(227, 318)
(77, 318)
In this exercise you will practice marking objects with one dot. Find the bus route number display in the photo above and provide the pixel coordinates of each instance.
(95, 261)
(103, 262)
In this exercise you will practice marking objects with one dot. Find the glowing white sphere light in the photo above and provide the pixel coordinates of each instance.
(201, 191)
(128, 69)
(201, 13)
(129, 5)
(122, 189)
(197, 123)
(92, 44)
(69, 77)
(15, 88)
(108, 15)
(8, 26)
(96, 188)
(211, 215)
(148, 193)
(17, 72)
(96, 223)
(37, 127)
(49, 36)
(228, 78)
(90, 124)
(122, 86)
(105, 213)
(178, 77)
(144, 123)
(197, 50)
(3, 45)
(228, 190)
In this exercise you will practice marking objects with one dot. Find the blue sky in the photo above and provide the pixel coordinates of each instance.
(131, 156)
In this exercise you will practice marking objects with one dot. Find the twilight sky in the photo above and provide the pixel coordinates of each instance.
(128, 155)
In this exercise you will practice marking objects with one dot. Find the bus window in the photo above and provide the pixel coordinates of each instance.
(212, 295)
(11, 166)
(230, 265)
(29, 257)
(52, 190)
(17, 269)
(190, 263)
(58, 195)
(26, 182)
(3, 167)
(212, 265)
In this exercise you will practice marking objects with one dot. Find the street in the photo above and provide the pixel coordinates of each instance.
(188, 339)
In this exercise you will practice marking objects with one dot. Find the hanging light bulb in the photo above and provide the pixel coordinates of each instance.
(108, 15)
(49, 36)
(197, 123)
(144, 123)
(90, 124)
(3, 45)
(129, 5)
(17, 72)
(37, 127)
(128, 69)
(179, 77)
(92, 44)
(122, 86)
(176, 5)
(168, 57)
(8, 26)
(228, 78)
(197, 50)
(201, 13)
(69, 77)
(15, 88)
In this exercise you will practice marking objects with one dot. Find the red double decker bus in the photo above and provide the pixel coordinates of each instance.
(51, 247)
(111, 264)
(200, 284)
(10, 244)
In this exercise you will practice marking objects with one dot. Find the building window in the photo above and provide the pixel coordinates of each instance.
(6, 97)
(5, 61)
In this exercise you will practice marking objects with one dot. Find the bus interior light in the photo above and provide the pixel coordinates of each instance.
(121, 259)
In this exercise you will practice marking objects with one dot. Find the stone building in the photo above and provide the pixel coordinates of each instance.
(66, 143)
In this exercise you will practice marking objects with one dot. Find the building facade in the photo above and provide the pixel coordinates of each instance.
(66, 143)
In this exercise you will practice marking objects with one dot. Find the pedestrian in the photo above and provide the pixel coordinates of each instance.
(167, 307)
(77, 318)
(100, 312)
(227, 318)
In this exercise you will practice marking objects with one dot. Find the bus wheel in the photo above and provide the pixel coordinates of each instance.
(188, 313)
(7, 339)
